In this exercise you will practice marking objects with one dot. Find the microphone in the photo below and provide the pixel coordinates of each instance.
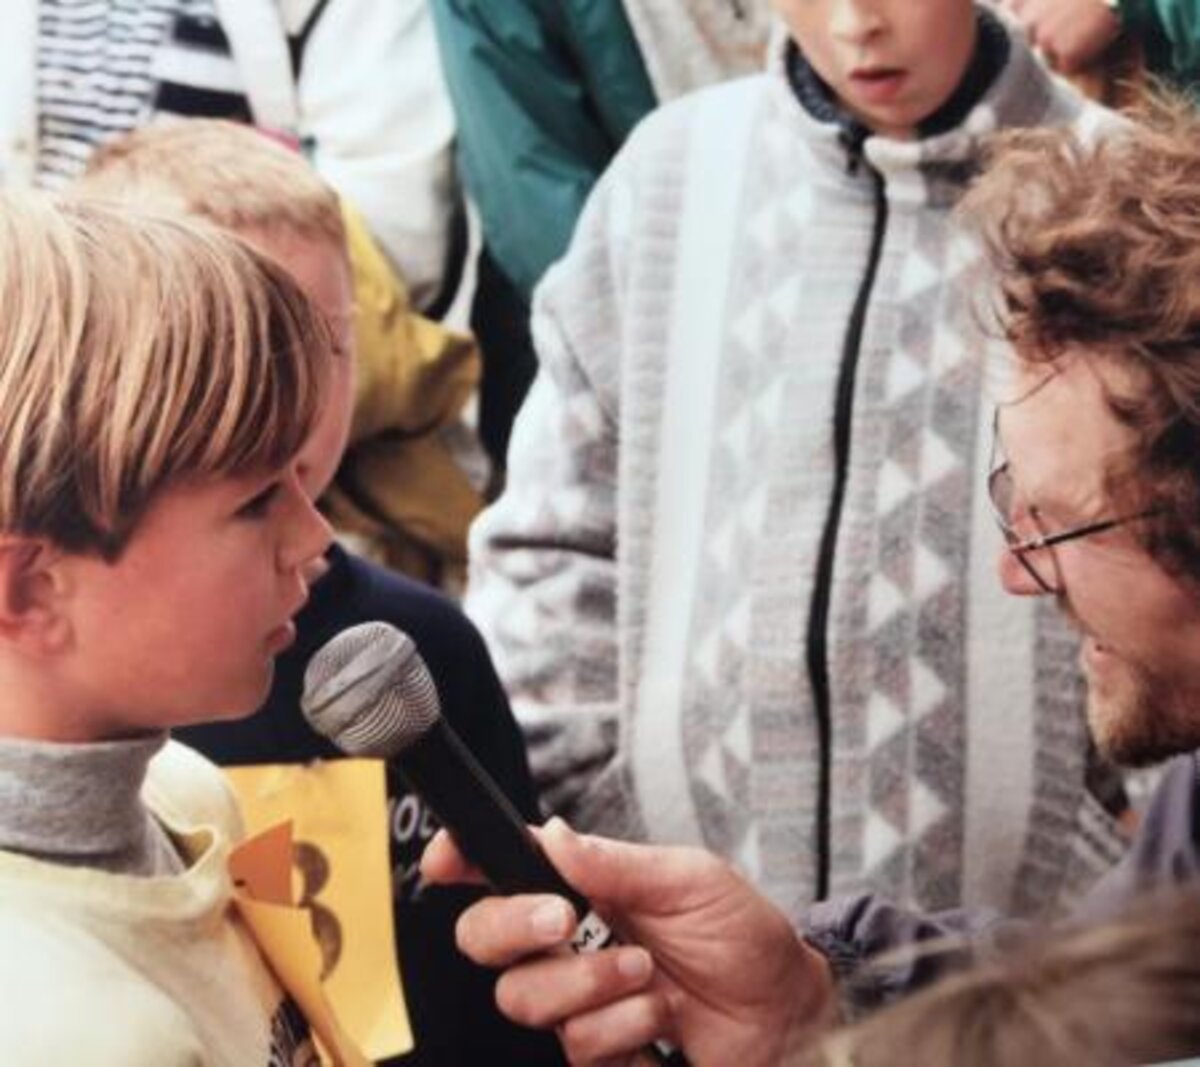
(369, 692)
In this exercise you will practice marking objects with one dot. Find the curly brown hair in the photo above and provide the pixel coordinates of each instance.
(1096, 248)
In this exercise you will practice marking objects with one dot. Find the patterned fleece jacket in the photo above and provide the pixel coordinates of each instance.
(741, 585)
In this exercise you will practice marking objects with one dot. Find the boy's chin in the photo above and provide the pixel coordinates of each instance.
(244, 704)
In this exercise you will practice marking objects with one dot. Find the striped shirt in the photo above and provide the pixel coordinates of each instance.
(105, 66)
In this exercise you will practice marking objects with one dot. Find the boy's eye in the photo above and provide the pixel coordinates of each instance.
(256, 507)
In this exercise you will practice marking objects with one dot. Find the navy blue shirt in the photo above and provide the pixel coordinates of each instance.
(450, 1000)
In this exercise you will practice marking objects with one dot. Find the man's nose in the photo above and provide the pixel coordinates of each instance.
(1015, 576)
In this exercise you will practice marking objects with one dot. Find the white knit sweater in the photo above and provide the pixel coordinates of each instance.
(122, 970)
(645, 582)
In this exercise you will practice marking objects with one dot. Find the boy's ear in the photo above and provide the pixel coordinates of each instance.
(31, 588)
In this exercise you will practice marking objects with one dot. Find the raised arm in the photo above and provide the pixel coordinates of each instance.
(543, 571)
(542, 583)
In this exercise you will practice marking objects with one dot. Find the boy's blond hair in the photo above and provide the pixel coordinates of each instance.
(137, 351)
(230, 174)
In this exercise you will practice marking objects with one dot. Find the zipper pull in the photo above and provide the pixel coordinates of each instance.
(851, 138)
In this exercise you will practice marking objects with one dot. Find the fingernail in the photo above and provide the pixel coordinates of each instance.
(557, 827)
(634, 963)
(551, 921)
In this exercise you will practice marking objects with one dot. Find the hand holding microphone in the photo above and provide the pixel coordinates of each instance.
(729, 977)
(731, 983)
(369, 692)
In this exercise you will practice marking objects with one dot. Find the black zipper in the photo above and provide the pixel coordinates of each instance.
(818, 618)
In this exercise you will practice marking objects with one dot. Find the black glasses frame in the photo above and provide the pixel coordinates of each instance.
(1021, 547)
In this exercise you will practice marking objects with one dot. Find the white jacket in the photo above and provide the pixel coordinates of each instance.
(370, 97)
(116, 970)
(717, 626)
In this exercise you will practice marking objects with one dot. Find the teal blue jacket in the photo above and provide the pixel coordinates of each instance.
(545, 92)
(1170, 30)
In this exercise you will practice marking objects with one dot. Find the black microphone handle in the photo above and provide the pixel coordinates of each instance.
(490, 833)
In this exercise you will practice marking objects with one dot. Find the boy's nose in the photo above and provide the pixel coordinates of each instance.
(308, 533)
(1015, 577)
(855, 21)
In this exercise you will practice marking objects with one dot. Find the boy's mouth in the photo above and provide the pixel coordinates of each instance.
(877, 85)
(281, 637)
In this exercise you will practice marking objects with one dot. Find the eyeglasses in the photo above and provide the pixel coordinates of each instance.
(1031, 548)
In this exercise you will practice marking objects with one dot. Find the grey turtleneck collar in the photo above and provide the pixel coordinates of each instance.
(80, 805)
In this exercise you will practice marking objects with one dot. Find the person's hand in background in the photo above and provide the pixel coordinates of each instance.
(1072, 34)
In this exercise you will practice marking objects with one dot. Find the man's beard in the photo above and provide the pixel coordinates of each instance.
(1138, 719)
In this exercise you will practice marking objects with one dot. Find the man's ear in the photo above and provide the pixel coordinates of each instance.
(31, 594)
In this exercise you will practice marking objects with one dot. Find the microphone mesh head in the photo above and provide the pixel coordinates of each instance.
(369, 691)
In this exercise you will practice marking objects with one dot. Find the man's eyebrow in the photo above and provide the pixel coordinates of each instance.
(1042, 499)
(1068, 503)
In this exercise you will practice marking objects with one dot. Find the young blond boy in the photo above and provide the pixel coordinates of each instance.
(159, 379)
(268, 195)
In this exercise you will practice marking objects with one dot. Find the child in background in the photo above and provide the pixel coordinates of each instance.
(158, 380)
(244, 182)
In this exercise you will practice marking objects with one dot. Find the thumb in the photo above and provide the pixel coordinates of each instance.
(650, 879)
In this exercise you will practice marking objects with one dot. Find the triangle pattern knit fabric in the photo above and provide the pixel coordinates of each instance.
(645, 583)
